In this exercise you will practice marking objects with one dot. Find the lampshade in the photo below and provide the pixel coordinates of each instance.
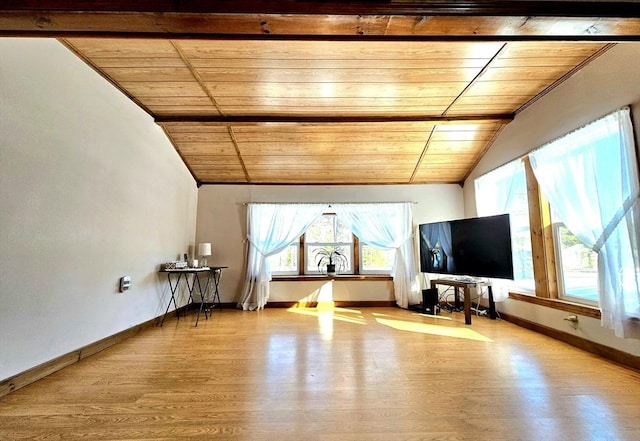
(204, 249)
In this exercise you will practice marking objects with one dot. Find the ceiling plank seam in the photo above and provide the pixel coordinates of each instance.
(422, 155)
(197, 77)
(475, 79)
(232, 134)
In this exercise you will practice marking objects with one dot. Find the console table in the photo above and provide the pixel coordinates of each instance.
(190, 286)
(466, 289)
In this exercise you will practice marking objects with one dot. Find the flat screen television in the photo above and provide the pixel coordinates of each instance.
(479, 247)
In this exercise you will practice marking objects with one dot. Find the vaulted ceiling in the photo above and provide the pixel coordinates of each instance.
(269, 95)
(332, 111)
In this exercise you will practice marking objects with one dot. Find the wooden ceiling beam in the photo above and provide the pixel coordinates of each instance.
(317, 19)
(550, 8)
(264, 119)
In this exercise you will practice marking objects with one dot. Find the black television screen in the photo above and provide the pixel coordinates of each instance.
(478, 247)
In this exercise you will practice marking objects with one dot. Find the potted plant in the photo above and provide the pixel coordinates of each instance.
(328, 257)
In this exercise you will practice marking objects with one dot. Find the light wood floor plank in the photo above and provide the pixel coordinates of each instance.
(331, 374)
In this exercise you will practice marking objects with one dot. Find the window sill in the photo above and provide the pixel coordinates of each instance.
(563, 305)
(341, 277)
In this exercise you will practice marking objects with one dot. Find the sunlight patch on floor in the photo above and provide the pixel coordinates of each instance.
(320, 305)
(427, 328)
(418, 314)
(328, 311)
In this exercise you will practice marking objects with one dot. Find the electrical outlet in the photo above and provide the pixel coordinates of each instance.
(573, 321)
(125, 283)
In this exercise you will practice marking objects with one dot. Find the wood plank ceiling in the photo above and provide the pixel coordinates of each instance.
(300, 110)
(191, 86)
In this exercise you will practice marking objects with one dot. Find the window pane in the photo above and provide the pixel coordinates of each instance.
(327, 229)
(577, 267)
(320, 231)
(521, 249)
(285, 262)
(375, 260)
(343, 234)
(328, 233)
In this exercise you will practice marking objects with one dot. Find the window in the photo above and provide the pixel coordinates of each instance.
(585, 242)
(327, 232)
(375, 260)
(590, 177)
(576, 266)
(272, 227)
(285, 263)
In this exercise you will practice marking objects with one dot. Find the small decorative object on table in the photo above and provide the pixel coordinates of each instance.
(174, 265)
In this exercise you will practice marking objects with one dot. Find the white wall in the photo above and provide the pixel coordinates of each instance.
(90, 190)
(608, 83)
(222, 221)
(332, 290)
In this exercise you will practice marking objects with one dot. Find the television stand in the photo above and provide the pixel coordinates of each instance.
(466, 290)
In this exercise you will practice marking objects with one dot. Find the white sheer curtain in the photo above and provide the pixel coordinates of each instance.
(270, 229)
(590, 178)
(388, 226)
(496, 190)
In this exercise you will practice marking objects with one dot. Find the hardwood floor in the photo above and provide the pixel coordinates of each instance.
(331, 375)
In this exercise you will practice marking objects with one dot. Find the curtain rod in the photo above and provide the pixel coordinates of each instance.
(330, 203)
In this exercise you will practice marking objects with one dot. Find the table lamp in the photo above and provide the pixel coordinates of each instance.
(204, 251)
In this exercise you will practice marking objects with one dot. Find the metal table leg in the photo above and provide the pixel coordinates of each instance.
(203, 296)
(217, 273)
(191, 287)
(173, 297)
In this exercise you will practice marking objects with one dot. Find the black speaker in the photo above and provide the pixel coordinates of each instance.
(430, 300)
